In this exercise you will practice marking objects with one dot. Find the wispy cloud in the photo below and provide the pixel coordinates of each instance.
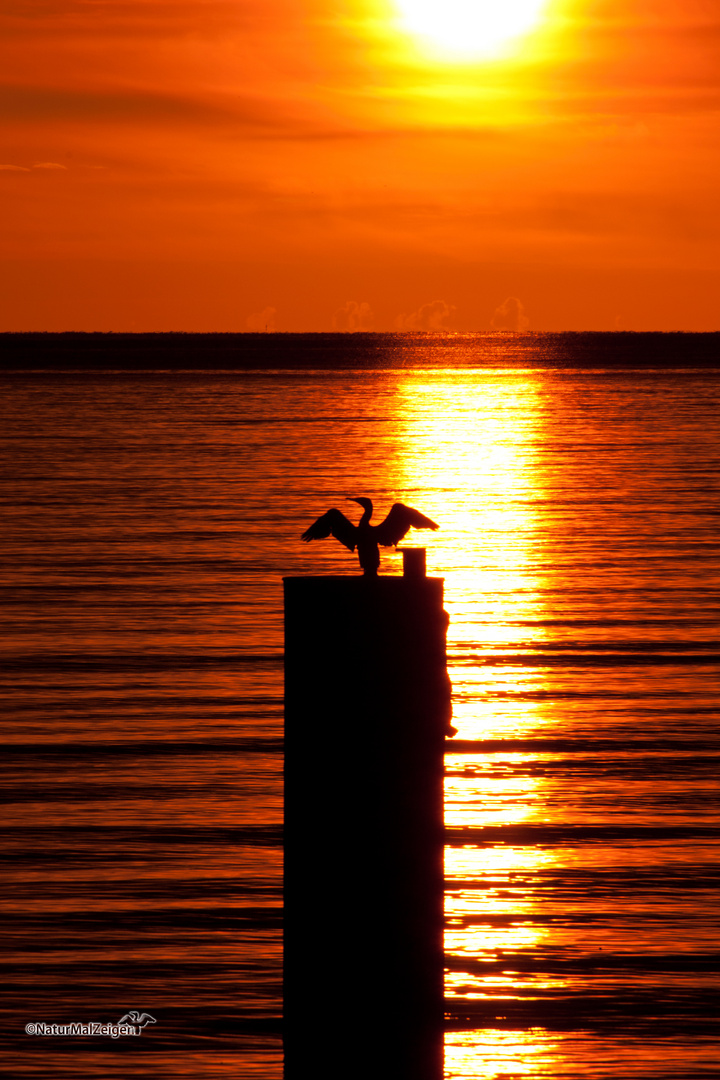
(50, 166)
(353, 316)
(262, 321)
(510, 315)
(437, 315)
(145, 107)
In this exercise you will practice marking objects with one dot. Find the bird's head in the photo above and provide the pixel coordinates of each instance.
(365, 503)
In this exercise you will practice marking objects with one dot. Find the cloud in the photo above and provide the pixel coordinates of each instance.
(22, 105)
(261, 321)
(205, 19)
(510, 316)
(436, 315)
(38, 165)
(353, 316)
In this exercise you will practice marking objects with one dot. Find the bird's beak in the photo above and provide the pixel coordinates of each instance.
(351, 498)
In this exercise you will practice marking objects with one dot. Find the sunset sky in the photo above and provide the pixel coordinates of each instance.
(317, 164)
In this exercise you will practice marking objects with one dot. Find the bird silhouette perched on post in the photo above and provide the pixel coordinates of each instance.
(366, 537)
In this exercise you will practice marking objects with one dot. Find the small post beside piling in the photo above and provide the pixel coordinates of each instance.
(367, 703)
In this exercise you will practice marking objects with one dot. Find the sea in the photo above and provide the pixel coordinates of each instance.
(154, 490)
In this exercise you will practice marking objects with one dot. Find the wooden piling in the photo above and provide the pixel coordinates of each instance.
(367, 704)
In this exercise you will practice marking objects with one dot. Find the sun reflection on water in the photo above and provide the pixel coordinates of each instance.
(481, 791)
(484, 1055)
(473, 447)
(489, 925)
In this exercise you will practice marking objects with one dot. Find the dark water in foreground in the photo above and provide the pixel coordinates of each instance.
(149, 520)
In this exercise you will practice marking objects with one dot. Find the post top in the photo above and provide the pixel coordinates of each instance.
(358, 589)
(413, 562)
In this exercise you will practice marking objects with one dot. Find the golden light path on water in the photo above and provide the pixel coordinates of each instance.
(472, 444)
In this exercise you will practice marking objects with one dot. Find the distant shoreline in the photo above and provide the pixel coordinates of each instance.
(207, 352)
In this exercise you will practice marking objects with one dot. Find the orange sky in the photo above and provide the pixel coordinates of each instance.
(304, 164)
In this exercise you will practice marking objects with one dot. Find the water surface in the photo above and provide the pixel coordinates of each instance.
(149, 519)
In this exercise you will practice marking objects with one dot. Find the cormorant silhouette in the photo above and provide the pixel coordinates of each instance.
(366, 537)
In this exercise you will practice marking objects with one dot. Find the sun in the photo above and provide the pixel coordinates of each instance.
(469, 29)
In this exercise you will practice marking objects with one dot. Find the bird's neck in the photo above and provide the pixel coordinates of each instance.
(367, 514)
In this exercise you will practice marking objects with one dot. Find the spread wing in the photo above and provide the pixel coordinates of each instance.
(334, 523)
(399, 520)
